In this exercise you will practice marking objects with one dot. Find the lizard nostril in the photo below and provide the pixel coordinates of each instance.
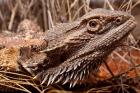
(118, 20)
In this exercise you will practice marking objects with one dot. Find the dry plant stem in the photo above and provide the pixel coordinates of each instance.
(123, 90)
(134, 64)
(132, 61)
(51, 24)
(88, 3)
(132, 68)
(25, 90)
(2, 18)
(14, 10)
(50, 7)
(99, 90)
(5, 72)
(137, 3)
(104, 5)
(109, 4)
(21, 87)
(74, 3)
(122, 4)
(108, 68)
(85, 6)
(37, 88)
(29, 8)
(44, 14)
(133, 40)
(19, 82)
(134, 48)
(129, 8)
(69, 12)
(21, 8)
(121, 57)
(77, 12)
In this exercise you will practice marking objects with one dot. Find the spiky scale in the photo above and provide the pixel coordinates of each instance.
(45, 79)
(38, 75)
(75, 66)
(53, 78)
(75, 81)
(81, 76)
(69, 69)
(66, 80)
(75, 75)
(50, 80)
(71, 76)
(59, 79)
(71, 84)
(63, 70)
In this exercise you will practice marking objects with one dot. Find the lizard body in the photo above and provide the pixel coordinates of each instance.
(78, 48)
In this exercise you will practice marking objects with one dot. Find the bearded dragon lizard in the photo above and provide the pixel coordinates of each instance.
(78, 48)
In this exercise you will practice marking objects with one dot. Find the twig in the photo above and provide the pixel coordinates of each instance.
(69, 11)
(129, 6)
(73, 3)
(127, 71)
(29, 8)
(134, 48)
(21, 8)
(44, 14)
(121, 57)
(77, 12)
(14, 10)
(138, 2)
(122, 4)
(110, 6)
(3, 20)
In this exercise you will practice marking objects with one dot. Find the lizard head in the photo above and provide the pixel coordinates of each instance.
(98, 29)
(85, 43)
(108, 27)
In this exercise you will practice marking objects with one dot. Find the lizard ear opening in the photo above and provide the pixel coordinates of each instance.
(93, 25)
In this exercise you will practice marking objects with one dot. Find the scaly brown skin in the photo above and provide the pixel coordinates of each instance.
(77, 49)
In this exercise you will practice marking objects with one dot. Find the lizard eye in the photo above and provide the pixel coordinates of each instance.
(93, 25)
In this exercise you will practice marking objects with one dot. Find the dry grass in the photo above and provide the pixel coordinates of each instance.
(47, 13)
